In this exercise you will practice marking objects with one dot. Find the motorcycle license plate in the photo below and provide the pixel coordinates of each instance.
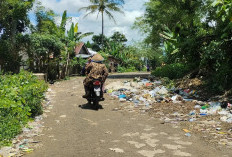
(97, 89)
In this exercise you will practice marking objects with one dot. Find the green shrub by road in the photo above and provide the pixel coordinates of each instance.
(172, 71)
(21, 96)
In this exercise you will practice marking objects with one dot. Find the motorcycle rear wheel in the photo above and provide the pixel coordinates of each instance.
(96, 104)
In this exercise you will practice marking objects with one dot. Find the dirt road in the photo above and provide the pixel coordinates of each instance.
(71, 131)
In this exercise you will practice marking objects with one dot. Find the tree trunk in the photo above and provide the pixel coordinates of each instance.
(67, 62)
(102, 28)
(15, 67)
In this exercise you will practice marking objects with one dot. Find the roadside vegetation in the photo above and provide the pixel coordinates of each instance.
(21, 98)
(193, 36)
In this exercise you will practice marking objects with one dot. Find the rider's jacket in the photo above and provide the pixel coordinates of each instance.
(95, 71)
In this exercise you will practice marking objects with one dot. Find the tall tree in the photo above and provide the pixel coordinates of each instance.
(118, 37)
(45, 20)
(13, 21)
(174, 25)
(104, 6)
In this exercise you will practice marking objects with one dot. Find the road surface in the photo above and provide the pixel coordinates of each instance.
(72, 131)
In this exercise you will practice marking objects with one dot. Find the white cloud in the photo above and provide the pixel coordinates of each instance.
(131, 8)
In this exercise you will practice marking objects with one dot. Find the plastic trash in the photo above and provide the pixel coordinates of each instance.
(156, 89)
(115, 93)
(191, 113)
(214, 109)
(186, 130)
(157, 82)
(122, 96)
(229, 105)
(145, 80)
(188, 99)
(188, 134)
(135, 101)
(174, 99)
(142, 99)
(213, 104)
(224, 119)
(192, 92)
(218, 129)
(203, 111)
(152, 93)
(197, 106)
(122, 89)
(127, 84)
(203, 114)
(187, 90)
(122, 100)
(223, 112)
(163, 91)
(192, 120)
(205, 106)
(110, 91)
(229, 120)
(147, 104)
(148, 84)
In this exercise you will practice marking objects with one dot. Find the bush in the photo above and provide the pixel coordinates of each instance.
(121, 69)
(219, 80)
(172, 71)
(20, 99)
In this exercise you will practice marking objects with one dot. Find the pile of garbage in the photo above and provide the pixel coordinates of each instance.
(145, 94)
(176, 106)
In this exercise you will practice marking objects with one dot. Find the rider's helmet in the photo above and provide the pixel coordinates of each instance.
(97, 58)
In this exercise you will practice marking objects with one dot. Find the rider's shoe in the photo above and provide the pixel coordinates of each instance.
(85, 96)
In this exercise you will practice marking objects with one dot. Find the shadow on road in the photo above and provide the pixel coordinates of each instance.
(90, 106)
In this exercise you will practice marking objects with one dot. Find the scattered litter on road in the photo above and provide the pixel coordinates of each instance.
(187, 131)
(108, 132)
(117, 150)
(188, 134)
(63, 116)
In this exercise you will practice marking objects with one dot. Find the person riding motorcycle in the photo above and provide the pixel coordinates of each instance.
(94, 70)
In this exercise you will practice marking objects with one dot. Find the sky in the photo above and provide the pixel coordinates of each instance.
(131, 8)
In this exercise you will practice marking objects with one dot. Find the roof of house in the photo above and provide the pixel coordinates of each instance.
(91, 51)
(78, 50)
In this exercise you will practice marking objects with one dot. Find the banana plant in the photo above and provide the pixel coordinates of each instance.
(73, 37)
(170, 41)
(76, 36)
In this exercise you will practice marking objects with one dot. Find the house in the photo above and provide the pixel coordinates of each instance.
(81, 51)
(113, 63)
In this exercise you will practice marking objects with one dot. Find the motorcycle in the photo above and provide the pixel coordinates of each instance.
(96, 94)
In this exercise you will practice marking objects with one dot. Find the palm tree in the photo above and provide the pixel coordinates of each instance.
(102, 6)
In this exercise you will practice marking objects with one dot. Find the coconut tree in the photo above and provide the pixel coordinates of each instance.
(104, 6)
